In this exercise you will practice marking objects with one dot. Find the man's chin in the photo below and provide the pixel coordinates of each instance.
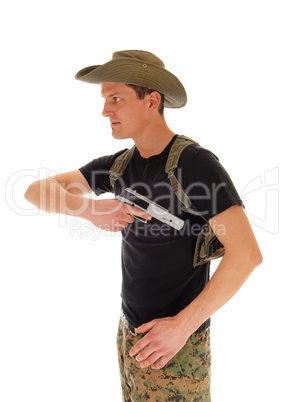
(119, 136)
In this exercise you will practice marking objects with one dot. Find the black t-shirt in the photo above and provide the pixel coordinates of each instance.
(158, 278)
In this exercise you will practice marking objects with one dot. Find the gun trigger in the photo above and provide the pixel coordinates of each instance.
(139, 219)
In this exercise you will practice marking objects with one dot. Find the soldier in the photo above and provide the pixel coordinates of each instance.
(167, 300)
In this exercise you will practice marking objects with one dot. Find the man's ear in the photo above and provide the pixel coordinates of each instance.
(155, 99)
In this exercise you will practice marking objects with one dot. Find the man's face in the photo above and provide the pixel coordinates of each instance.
(127, 113)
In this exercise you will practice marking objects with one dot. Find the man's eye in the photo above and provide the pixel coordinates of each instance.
(116, 99)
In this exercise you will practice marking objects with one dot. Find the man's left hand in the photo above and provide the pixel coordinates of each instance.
(165, 337)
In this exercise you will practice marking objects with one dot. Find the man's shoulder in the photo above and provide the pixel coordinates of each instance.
(197, 155)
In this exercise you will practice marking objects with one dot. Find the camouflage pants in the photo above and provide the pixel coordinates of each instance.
(185, 378)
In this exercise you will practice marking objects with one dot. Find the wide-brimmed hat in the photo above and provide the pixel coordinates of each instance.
(139, 68)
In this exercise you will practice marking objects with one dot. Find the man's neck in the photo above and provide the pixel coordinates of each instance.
(154, 140)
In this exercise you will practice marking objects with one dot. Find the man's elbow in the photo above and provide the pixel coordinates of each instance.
(254, 257)
(259, 258)
(28, 193)
(32, 191)
(247, 257)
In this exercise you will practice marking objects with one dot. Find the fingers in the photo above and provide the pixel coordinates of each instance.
(154, 358)
(160, 364)
(128, 218)
(161, 343)
(145, 327)
(118, 227)
(151, 359)
(113, 215)
(139, 346)
(136, 211)
(124, 221)
(128, 213)
(145, 340)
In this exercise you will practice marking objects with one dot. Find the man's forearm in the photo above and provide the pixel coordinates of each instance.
(107, 214)
(225, 282)
(49, 196)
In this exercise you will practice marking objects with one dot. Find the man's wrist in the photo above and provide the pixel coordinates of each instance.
(87, 209)
(189, 320)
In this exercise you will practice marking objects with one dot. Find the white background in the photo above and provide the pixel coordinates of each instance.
(60, 278)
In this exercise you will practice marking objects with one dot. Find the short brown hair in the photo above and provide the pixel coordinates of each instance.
(141, 92)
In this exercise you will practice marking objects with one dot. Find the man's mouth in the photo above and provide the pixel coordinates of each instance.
(114, 123)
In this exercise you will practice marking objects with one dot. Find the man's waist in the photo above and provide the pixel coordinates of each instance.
(131, 328)
(127, 324)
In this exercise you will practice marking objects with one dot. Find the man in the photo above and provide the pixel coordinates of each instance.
(163, 336)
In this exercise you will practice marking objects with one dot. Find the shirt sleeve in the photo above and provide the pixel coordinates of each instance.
(207, 183)
(97, 173)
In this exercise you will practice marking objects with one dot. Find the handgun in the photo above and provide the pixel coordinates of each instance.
(133, 198)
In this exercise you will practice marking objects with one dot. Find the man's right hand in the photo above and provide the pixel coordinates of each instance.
(113, 215)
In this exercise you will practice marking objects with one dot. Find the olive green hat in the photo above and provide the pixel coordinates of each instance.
(139, 68)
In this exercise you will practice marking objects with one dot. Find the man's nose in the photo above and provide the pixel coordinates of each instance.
(107, 110)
